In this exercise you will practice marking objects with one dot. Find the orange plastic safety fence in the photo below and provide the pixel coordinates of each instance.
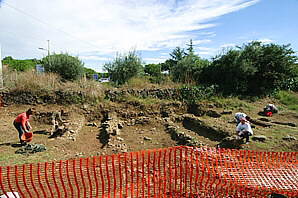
(171, 172)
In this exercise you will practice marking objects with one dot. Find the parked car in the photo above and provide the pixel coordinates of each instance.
(102, 80)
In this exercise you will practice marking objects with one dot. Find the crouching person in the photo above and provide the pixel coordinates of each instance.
(244, 130)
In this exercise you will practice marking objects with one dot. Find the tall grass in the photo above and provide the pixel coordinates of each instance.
(48, 83)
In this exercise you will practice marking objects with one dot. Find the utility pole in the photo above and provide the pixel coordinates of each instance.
(49, 52)
(1, 77)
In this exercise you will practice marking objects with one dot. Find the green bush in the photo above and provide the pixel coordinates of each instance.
(68, 67)
(194, 94)
(253, 69)
(124, 67)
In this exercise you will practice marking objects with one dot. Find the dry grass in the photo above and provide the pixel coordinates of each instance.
(29, 81)
(49, 83)
(144, 83)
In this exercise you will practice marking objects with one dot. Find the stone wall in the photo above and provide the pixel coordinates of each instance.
(57, 97)
(67, 97)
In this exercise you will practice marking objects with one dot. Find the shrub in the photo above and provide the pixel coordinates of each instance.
(124, 67)
(194, 94)
(253, 69)
(68, 67)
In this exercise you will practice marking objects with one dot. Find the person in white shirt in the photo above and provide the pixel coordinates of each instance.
(238, 116)
(244, 130)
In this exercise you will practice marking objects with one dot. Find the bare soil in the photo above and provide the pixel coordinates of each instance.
(151, 134)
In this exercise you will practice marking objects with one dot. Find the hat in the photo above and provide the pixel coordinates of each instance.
(243, 119)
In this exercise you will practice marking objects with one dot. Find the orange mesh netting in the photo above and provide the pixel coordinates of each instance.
(170, 172)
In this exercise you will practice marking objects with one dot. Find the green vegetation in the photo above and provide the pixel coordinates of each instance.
(286, 98)
(68, 67)
(124, 67)
(253, 69)
(194, 94)
(89, 73)
(230, 102)
(19, 65)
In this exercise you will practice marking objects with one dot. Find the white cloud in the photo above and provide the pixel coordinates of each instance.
(196, 42)
(107, 26)
(263, 40)
(94, 58)
(154, 60)
(230, 45)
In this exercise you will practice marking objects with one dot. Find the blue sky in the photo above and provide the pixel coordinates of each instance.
(96, 30)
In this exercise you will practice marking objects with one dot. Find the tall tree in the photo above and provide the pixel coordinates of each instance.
(253, 69)
(176, 55)
(189, 69)
(190, 47)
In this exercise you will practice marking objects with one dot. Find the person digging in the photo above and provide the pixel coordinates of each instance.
(244, 130)
(22, 124)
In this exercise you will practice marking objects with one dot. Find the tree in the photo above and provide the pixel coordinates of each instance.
(124, 67)
(68, 67)
(89, 73)
(8, 58)
(153, 69)
(190, 48)
(253, 69)
(176, 55)
(188, 69)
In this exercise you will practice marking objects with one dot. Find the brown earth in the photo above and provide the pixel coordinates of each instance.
(132, 126)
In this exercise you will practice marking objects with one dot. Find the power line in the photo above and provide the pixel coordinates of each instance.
(45, 23)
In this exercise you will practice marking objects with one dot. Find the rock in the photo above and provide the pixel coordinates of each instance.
(261, 138)
(213, 114)
(119, 138)
(91, 124)
(147, 138)
(120, 126)
(226, 112)
(288, 137)
(110, 145)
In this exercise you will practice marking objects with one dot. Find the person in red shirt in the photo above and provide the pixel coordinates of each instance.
(22, 124)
